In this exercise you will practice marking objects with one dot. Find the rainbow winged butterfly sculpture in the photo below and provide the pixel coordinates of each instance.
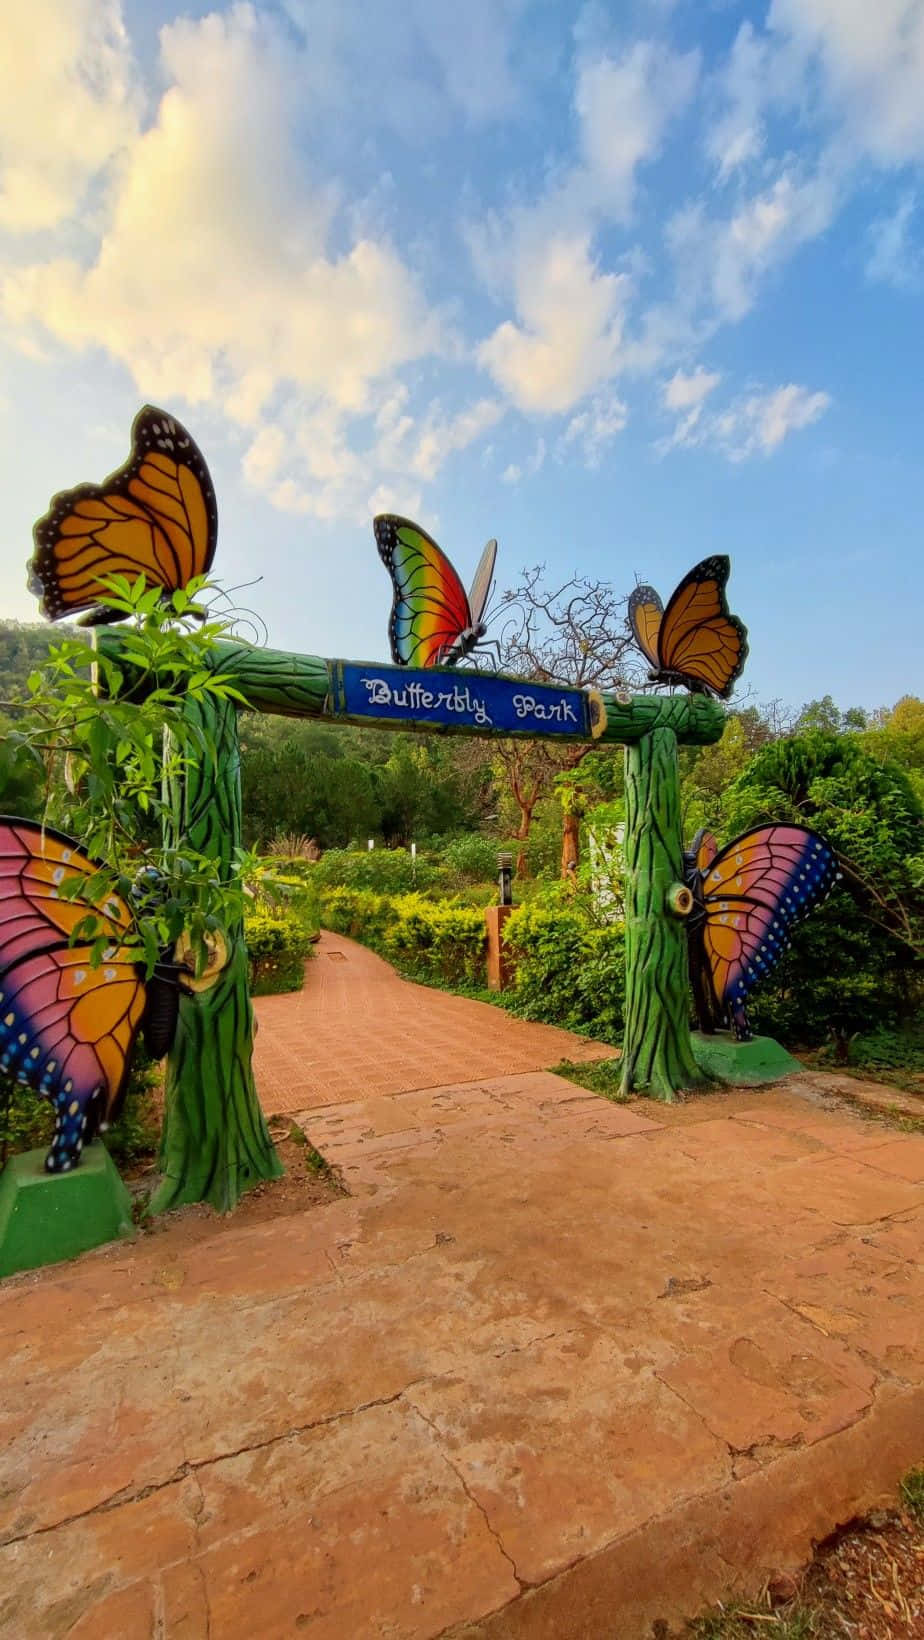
(433, 622)
(747, 897)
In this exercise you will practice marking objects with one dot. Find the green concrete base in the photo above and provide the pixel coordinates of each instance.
(46, 1217)
(742, 1064)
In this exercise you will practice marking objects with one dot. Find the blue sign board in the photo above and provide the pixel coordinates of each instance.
(462, 700)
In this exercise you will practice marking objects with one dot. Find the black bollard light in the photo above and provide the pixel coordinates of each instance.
(505, 879)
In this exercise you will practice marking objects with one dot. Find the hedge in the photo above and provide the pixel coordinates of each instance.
(277, 945)
(436, 940)
(568, 972)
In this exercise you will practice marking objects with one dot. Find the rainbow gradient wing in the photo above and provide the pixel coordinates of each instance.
(430, 614)
(752, 894)
(156, 516)
(66, 1028)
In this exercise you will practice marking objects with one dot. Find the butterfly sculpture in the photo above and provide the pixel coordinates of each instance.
(156, 516)
(747, 898)
(67, 1028)
(433, 622)
(694, 641)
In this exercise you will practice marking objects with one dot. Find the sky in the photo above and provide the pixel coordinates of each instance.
(621, 285)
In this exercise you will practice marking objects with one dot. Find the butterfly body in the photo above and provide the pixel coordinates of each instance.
(694, 643)
(433, 621)
(67, 1025)
(156, 516)
(747, 898)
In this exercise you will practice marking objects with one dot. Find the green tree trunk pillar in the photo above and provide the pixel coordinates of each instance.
(656, 1046)
(215, 1142)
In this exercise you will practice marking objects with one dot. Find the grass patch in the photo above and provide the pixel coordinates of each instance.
(912, 1491)
(600, 1076)
(743, 1623)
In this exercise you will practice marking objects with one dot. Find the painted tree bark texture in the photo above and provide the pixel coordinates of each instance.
(215, 1142)
(657, 1055)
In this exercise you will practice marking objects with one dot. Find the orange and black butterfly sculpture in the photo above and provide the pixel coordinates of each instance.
(694, 641)
(156, 516)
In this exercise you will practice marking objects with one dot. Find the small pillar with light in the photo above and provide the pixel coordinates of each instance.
(499, 964)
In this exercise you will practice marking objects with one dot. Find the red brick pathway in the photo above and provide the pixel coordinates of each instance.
(358, 1030)
(555, 1369)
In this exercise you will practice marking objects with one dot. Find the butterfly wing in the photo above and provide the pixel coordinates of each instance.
(66, 1028)
(430, 610)
(645, 615)
(754, 891)
(481, 586)
(699, 642)
(156, 516)
(704, 849)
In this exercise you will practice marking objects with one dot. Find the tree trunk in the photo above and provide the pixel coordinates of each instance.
(521, 835)
(215, 1143)
(570, 844)
(656, 1046)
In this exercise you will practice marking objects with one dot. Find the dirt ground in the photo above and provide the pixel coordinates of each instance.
(866, 1583)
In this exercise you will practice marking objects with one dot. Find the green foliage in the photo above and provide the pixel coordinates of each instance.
(102, 738)
(382, 870)
(22, 774)
(569, 973)
(470, 859)
(912, 1492)
(277, 945)
(439, 941)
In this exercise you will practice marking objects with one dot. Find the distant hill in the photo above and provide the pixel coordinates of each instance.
(23, 647)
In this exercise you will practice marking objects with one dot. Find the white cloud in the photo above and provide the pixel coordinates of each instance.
(440, 435)
(565, 338)
(596, 427)
(754, 424)
(214, 282)
(688, 392)
(624, 105)
(212, 279)
(686, 395)
(320, 461)
(418, 64)
(737, 136)
(511, 474)
(568, 338)
(894, 258)
(868, 57)
(69, 104)
(721, 261)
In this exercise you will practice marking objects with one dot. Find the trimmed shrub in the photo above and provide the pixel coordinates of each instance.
(435, 940)
(567, 972)
(277, 945)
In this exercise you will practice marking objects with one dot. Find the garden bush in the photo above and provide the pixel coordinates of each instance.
(277, 944)
(568, 972)
(383, 870)
(440, 941)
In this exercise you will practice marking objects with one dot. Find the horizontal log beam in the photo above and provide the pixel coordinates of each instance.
(307, 686)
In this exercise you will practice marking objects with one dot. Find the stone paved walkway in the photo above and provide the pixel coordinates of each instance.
(357, 1028)
(555, 1369)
